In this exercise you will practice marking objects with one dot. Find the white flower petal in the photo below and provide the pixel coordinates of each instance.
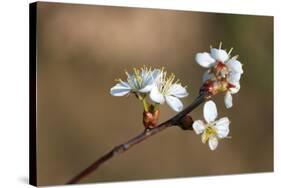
(156, 73)
(132, 82)
(147, 88)
(233, 77)
(198, 126)
(174, 103)
(178, 91)
(204, 137)
(147, 80)
(210, 111)
(219, 54)
(213, 143)
(120, 89)
(156, 96)
(228, 100)
(204, 59)
(234, 66)
(222, 127)
(235, 89)
(130, 77)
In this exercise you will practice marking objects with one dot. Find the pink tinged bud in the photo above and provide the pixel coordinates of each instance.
(150, 119)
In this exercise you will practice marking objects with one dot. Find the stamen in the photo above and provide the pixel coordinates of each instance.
(118, 80)
(167, 82)
(220, 45)
(135, 71)
(126, 72)
(230, 51)
(138, 76)
(145, 68)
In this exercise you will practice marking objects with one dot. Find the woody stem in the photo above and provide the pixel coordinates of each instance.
(174, 121)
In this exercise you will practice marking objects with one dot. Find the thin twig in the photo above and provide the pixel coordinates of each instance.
(176, 120)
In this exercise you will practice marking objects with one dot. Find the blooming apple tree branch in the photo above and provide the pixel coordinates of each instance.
(155, 87)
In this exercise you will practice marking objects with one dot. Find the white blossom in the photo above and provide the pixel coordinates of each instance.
(221, 67)
(166, 90)
(213, 130)
(140, 81)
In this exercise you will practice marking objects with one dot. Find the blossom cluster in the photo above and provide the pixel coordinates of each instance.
(223, 75)
(156, 86)
(223, 72)
(160, 87)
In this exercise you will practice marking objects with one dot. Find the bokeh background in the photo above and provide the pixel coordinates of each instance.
(83, 48)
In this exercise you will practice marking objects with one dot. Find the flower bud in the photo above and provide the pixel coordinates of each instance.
(150, 119)
(186, 122)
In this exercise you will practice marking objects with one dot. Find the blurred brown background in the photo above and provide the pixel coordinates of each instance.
(83, 48)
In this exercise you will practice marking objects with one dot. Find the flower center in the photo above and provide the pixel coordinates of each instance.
(210, 130)
(220, 70)
(165, 82)
(138, 77)
(218, 83)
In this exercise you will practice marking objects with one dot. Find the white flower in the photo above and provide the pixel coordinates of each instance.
(221, 67)
(212, 130)
(141, 81)
(165, 90)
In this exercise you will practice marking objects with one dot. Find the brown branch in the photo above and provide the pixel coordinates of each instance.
(174, 121)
